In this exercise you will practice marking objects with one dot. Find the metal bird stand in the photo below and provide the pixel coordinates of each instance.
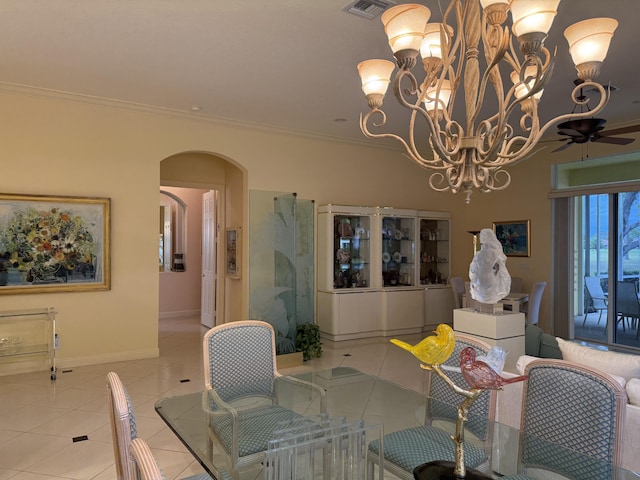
(442, 470)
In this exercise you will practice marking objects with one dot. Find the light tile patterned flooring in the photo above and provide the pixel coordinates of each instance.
(39, 418)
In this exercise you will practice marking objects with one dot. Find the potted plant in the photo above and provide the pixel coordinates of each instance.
(308, 341)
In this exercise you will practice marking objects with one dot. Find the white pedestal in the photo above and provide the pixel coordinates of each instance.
(503, 329)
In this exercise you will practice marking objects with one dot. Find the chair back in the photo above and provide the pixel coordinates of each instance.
(145, 462)
(627, 302)
(457, 287)
(240, 359)
(572, 420)
(594, 288)
(533, 309)
(123, 426)
(481, 413)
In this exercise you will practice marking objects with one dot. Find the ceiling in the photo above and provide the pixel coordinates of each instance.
(288, 64)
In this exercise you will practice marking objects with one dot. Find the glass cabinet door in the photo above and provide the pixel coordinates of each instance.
(434, 251)
(398, 251)
(352, 251)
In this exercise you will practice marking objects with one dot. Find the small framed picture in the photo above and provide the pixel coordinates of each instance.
(514, 237)
(232, 258)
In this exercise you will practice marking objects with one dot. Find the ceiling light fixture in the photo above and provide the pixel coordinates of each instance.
(472, 155)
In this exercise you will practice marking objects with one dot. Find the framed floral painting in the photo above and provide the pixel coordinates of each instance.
(53, 244)
(514, 237)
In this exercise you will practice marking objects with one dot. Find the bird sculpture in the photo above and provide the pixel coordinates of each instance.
(434, 349)
(480, 375)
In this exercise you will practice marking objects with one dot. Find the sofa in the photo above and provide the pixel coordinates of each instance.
(624, 368)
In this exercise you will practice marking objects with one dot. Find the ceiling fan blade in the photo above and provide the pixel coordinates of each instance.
(620, 131)
(563, 147)
(614, 140)
(570, 132)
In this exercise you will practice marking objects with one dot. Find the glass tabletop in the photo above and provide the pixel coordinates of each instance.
(350, 394)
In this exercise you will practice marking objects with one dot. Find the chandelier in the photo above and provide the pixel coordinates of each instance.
(472, 155)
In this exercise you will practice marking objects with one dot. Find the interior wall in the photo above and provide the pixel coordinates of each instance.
(180, 291)
(63, 145)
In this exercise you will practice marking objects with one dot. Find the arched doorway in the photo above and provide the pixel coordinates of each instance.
(194, 174)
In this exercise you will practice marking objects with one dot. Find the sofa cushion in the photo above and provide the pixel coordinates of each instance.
(633, 391)
(532, 336)
(549, 347)
(525, 360)
(624, 365)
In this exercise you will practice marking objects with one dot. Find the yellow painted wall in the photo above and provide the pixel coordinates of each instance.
(62, 146)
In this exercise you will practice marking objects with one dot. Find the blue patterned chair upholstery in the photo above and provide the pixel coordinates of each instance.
(405, 449)
(243, 402)
(124, 430)
(571, 422)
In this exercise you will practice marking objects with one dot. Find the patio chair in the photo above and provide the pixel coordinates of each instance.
(571, 423)
(244, 402)
(405, 449)
(598, 297)
(628, 305)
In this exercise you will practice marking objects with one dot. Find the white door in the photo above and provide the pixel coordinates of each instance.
(208, 297)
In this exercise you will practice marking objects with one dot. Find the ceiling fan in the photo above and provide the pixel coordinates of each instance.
(585, 130)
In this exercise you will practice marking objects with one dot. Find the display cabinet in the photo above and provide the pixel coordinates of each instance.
(434, 248)
(398, 242)
(344, 238)
(374, 267)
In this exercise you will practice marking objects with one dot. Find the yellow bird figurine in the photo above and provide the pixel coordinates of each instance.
(434, 349)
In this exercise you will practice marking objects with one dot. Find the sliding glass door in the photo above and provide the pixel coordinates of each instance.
(607, 268)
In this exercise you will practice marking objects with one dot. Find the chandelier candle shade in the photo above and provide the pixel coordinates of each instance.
(462, 56)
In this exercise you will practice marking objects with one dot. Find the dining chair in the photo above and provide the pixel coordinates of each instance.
(599, 299)
(457, 287)
(533, 305)
(124, 430)
(147, 466)
(571, 423)
(628, 305)
(402, 451)
(245, 402)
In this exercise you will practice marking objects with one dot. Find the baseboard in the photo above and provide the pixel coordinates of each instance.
(108, 358)
(40, 365)
(179, 313)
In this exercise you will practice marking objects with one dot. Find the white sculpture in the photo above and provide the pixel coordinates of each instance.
(490, 279)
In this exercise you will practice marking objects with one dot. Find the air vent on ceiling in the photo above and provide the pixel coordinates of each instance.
(368, 8)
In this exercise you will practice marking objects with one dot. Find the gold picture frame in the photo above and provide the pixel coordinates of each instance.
(54, 243)
(515, 237)
(232, 257)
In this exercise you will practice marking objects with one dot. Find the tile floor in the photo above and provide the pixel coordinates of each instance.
(39, 419)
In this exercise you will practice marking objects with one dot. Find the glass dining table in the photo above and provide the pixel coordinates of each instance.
(350, 394)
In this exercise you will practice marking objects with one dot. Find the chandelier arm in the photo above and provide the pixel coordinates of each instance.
(416, 108)
(411, 153)
(604, 98)
(524, 152)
